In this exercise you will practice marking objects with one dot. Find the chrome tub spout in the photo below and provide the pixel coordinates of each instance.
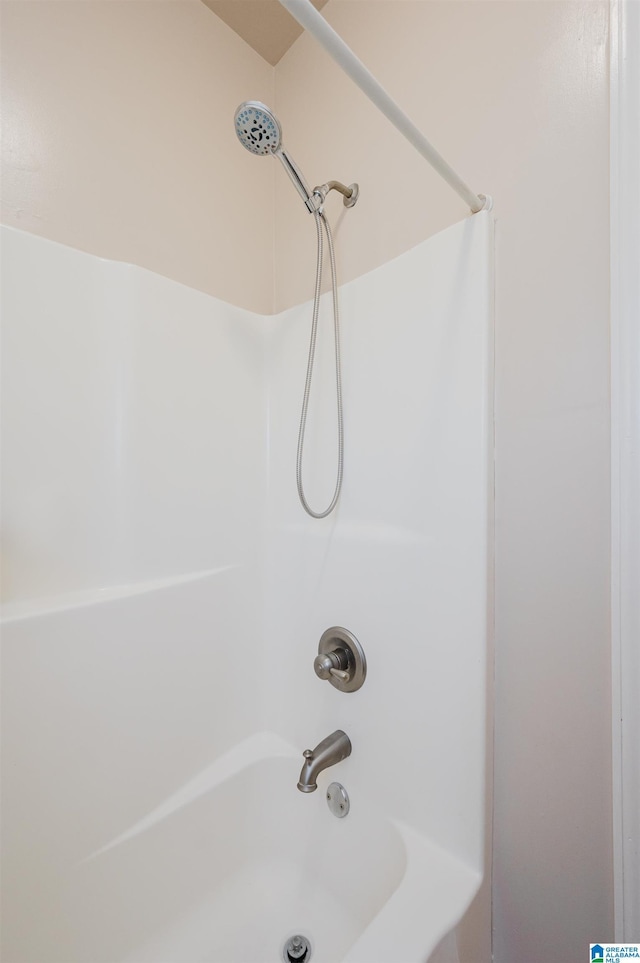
(331, 750)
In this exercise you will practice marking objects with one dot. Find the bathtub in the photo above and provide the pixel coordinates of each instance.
(238, 861)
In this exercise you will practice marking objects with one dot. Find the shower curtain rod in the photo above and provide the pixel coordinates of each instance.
(309, 18)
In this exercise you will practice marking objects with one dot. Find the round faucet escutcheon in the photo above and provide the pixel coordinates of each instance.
(340, 660)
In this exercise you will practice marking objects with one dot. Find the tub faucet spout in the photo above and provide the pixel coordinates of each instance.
(331, 750)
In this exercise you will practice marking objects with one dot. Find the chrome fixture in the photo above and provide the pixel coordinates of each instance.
(259, 130)
(338, 800)
(321, 221)
(349, 194)
(331, 750)
(297, 950)
(341, 659)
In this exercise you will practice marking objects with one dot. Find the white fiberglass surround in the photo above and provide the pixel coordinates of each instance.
(166, 594)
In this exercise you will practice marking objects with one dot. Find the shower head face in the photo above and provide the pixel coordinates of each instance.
(257, 128)
(259, 131)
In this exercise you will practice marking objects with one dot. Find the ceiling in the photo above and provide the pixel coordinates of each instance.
(264, 24)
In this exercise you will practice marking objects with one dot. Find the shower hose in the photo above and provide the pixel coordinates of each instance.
(321, 221)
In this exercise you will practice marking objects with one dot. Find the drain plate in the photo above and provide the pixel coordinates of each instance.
(338, 800)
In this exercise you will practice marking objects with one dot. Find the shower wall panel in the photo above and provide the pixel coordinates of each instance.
(133, 421)
(404, 562)
(133, 424)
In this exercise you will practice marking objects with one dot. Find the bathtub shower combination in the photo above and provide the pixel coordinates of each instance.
(236, 731)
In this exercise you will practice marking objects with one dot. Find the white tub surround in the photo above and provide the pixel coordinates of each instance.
(166, 595)
(131, 405)
(404, 561)
(134, 425)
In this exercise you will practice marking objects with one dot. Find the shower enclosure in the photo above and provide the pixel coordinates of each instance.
(168, 594)
(166, 653)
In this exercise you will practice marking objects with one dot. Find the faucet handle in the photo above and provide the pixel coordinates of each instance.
(340, 660)
(332, 664)
(308, 754)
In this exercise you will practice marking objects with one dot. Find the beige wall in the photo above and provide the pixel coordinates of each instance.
(118, 139)
(515, 95)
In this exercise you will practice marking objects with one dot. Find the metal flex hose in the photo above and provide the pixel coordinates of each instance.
(321, 221)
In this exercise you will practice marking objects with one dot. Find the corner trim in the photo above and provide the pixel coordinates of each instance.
(625, 461)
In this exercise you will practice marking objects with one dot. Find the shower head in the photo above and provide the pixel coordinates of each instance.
(259, 131)
(257, 128)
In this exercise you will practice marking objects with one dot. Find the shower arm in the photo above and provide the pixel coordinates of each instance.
(350, 193)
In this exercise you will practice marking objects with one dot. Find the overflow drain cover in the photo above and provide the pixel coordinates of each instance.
(297, 950)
